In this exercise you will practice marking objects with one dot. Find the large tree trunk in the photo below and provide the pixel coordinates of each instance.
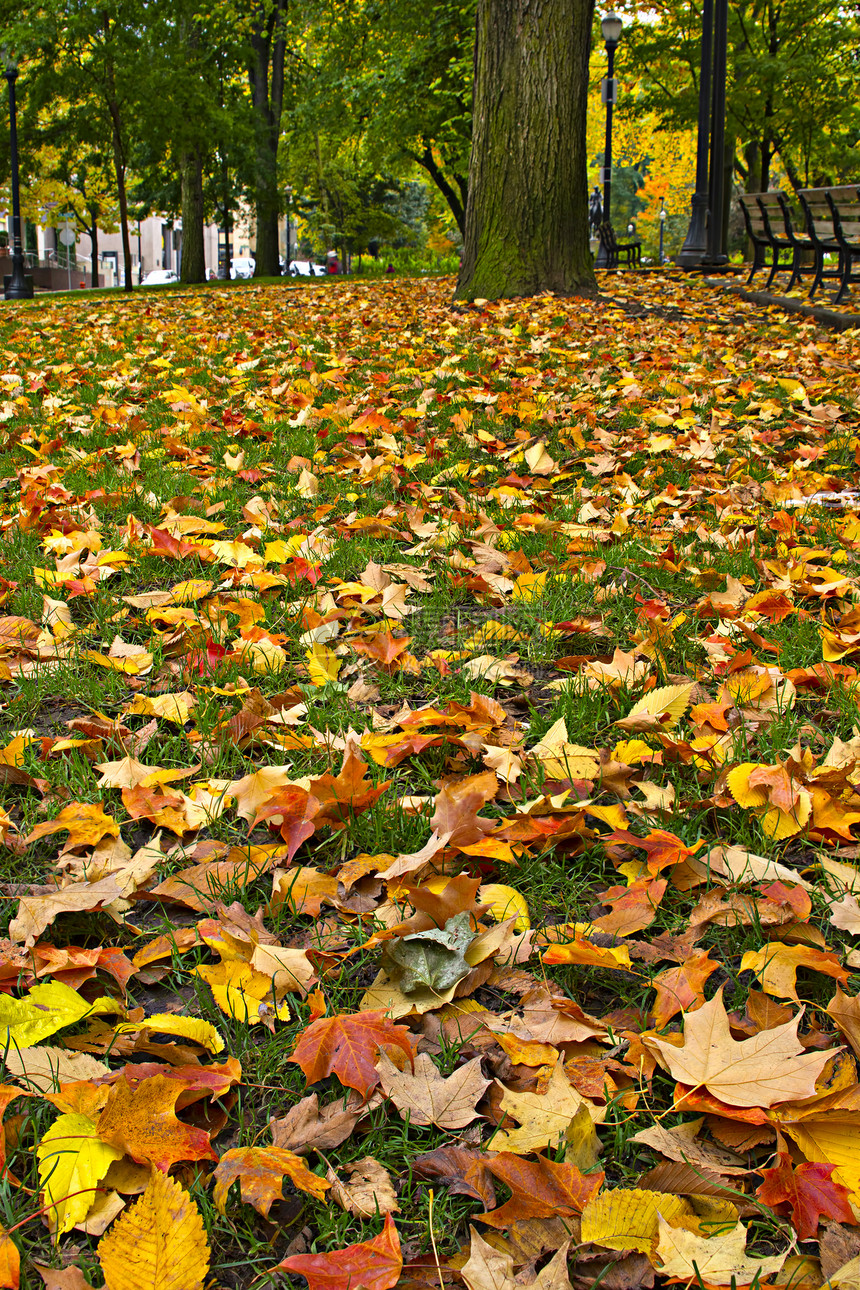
(193, 268)
(266, 75)
(527, 211)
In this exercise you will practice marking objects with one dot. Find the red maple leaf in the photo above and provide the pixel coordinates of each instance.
(809, 1191)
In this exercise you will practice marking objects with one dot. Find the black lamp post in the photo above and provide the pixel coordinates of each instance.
(704, 240)
(610, 26)
(289, 193)
(16, 285)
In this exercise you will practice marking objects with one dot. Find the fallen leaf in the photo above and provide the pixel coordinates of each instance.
(373, 1264)
(348, 1047)
(808, 1191)
(159, 1243)
(719, 1260)
(369, 1191)
(539, 1189)
(767, 1068)
(544, 1118)
(424, 1096)
(261, 1172)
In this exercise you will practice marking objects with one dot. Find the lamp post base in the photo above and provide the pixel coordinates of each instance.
(18, 286)
(695, 246)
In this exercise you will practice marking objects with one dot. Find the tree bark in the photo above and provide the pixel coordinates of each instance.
(527, 210)
(266, 76)
(193, 268)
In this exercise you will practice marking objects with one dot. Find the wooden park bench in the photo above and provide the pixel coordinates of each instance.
(772, 227)
(833, 222)
(632, 251)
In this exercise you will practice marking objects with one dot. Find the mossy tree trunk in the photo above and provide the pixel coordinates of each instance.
(193, 268)
(527, 212)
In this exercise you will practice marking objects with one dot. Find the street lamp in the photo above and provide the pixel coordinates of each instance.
(289, 192)
(16, 286)
(662, 228)
(704, 240)
(610, 26)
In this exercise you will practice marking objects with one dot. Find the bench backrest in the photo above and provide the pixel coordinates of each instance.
(606, 233)
(755, 219)
(776, 212)
(845, 205)
(819, 216)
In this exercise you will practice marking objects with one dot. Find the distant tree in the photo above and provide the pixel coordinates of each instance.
(791, 85)
(90, 58)
(267, 36)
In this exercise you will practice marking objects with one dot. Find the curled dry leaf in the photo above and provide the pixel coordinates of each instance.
(368, 1191)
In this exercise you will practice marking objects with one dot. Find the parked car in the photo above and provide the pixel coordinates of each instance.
(243, 267)
(158, 277)
(306, 269)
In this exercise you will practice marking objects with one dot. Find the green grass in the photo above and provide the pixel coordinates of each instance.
(435, 481)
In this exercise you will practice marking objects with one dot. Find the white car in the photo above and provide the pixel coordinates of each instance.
(304, 269)
(158, 277)
(242, 267)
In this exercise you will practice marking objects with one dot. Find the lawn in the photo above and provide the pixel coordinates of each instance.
(428, 790)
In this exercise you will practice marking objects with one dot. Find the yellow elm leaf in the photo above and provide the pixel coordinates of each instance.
(624, 1219)
(43, 1011)
(323, 664)
(193, 589)
(170, 707)
(133, 665)
(157, 1244)
(505, 902)
(719, 1260)
(72, 1159)
(165, 1023)
(660, 709)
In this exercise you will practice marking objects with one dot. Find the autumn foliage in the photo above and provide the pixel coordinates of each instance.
(429, 810)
